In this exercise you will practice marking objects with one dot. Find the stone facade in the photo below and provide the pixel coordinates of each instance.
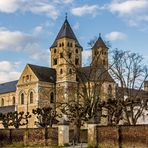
(40, 86)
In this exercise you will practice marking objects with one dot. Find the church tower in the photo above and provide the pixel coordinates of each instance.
(100, 53)
(66, 54)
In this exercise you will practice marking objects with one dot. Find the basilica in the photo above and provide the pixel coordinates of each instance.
(40, 86)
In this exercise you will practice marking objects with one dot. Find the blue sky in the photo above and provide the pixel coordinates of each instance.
(29, 27)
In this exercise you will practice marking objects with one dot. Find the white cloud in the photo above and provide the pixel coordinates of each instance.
(37, 7)
(8, 71)
(76, 26)
(14, 40)
(133, 11)
(86, 57)
(86, 9)
(9, 6)
(112, 36)
(38, 29)
(128, 6)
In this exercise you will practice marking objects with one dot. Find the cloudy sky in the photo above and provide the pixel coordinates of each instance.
(29, 27)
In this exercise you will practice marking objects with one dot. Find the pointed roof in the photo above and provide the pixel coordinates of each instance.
(66, 31)
(99, 43)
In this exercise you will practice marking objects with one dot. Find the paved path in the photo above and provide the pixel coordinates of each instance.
(82, 145)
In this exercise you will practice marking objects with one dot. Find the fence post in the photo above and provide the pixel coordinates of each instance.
(92, 133)
(119, 136)
(63, 133)
(26, 137)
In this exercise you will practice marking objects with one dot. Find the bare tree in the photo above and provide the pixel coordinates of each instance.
(130, 73)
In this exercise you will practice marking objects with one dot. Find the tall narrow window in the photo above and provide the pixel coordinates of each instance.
(51, 97)
(22, 99)
(55, 50)
(62, 44)
(54, 61)
(13, 100)
(68, 44)
(61, 55)
(69, 55)
(2, 102)
(70, 71)
(31, 97)
(61, 71)
(109, 91)
(76, 61)
(77, 51)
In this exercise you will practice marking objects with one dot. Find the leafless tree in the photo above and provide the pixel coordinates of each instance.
(130, 73)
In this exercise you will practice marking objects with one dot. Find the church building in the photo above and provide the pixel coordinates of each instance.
(40, 86)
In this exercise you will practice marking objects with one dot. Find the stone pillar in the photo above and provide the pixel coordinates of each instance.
(63, 133)
(92, 133)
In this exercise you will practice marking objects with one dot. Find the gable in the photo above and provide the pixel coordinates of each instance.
(27, 76)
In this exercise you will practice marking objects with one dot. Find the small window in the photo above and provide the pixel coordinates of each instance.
(55, 50)
(61, 71)
(62, 44)
(31, 97)
(109, 91)
(68, 44)
(77, 51)
(71, 45)
(69, 55)
(104, 62)
(70, 71)
(27, 78)
(54, 61)
(22, 98)
(2, 102)
(96, 52)
(77, 61)
(13, 100)
(61, 55)
(51, 97)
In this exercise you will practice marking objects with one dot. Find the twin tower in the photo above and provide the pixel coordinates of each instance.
(66, 53)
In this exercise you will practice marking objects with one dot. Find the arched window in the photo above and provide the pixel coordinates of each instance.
(62, 44)
(31, 97)
(22, 99)
(13, 100)
(68, 44)
(51, 97)
(55, 50)
(69, 55)
(109, 91)
(2, 102)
